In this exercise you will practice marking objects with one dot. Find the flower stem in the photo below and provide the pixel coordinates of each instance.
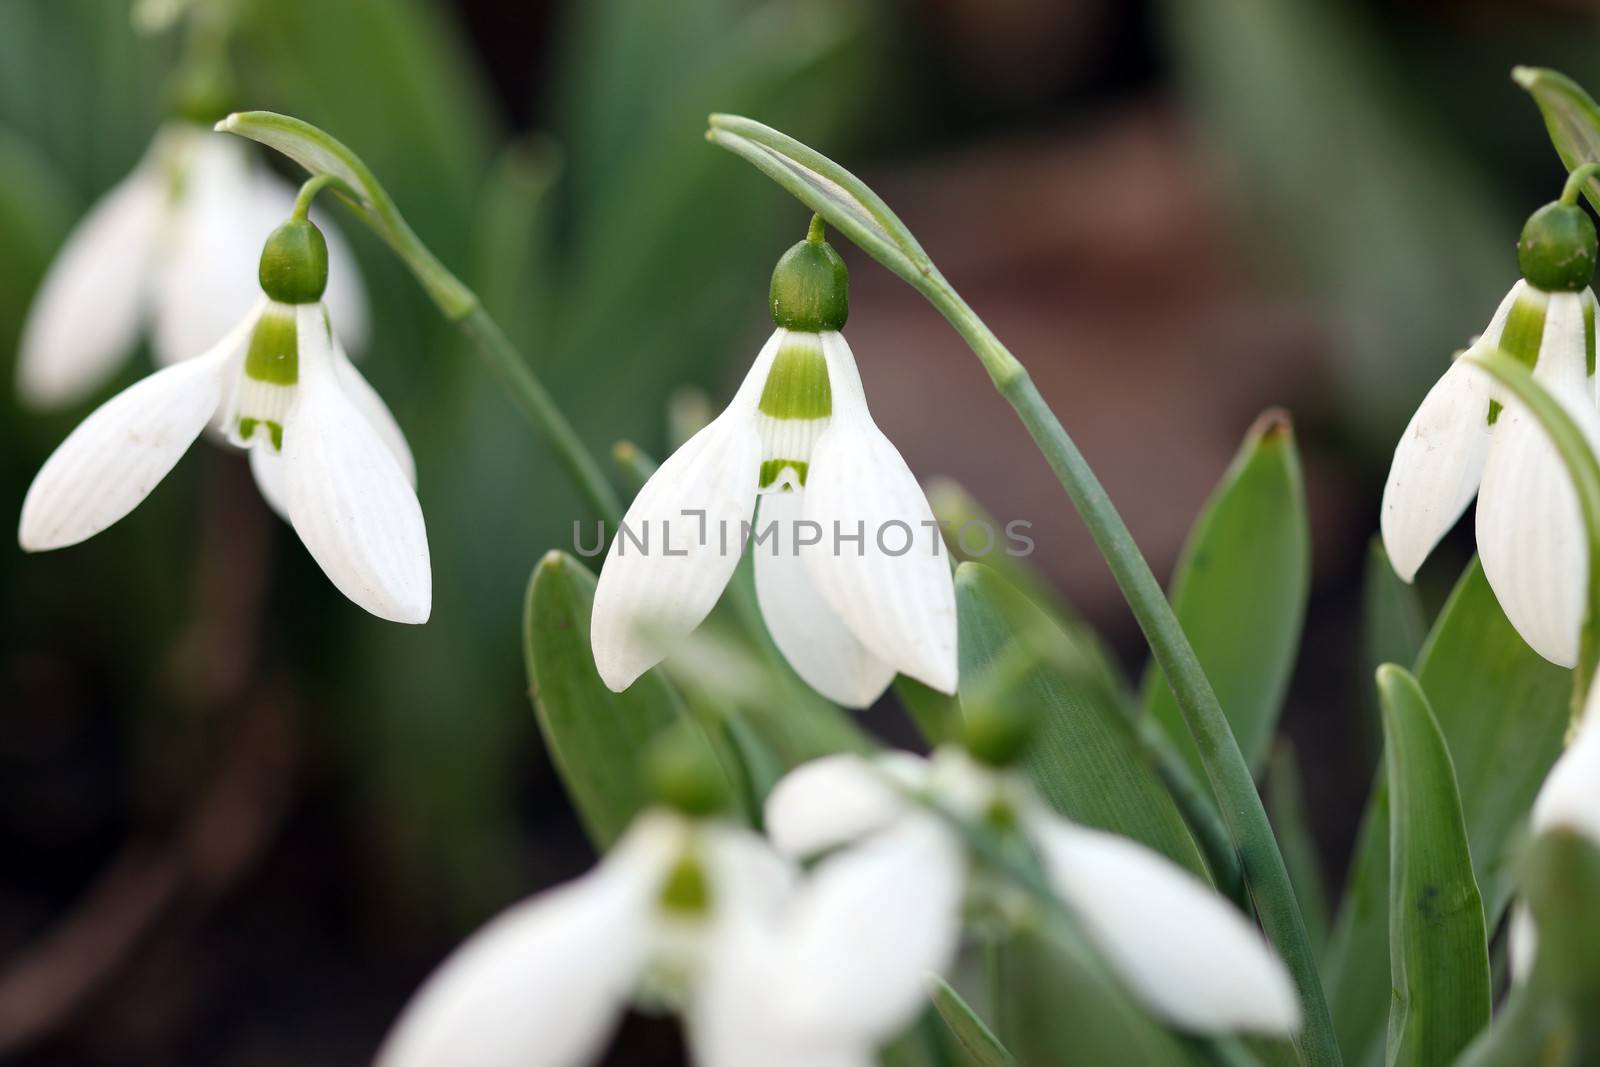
(541, 411)
(457, 303)
(1265, 873)
(1575, 180)
(1583, 467)
(852, 208)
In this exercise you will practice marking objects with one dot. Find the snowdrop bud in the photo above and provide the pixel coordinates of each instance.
(811, 286)
(684, 773)
(1557, 249)
(294, 263)
(997, 732)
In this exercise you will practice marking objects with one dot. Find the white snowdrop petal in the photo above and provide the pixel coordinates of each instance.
(680, 540)
(832, 801)
(893, 587)
(869, 926)
(209, 265)
(732, 1018)
(1522, 942)
(348, 498)
(543, 984)
(266, 466)
(1570, 795)
(85, 317)
(1437, 467)
(121, 452)
(747, 875)
(367, 401)
(1183, 950)
(1530, 531)
(817, 644)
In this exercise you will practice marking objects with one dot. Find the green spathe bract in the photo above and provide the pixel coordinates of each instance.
(294, 263)
(1557, 249)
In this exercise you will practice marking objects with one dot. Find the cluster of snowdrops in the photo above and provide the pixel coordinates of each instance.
(816, 926)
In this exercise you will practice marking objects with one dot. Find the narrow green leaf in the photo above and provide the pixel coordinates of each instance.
(977, 1043)
(1503, 712)
(1240, 591)
(597, 738)
(1438, 948)
(1571, 116)
(1063, 1007)
(1287, 808)
(1086, 757)
(1550, 1019)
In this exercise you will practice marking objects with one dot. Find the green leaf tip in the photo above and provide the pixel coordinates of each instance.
(1274, 424)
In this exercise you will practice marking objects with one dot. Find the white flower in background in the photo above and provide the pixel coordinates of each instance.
(1570, 798)
(174, 246)
(325, 451)
(545, 983)
(1187, 954)
(1466, 439)
(854, 580)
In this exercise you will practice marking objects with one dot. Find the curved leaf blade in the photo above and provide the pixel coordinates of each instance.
(597, 739)
(1503, 712)
(977, 1044)
(1438, 947)
(1571, 116)
(1240, 591)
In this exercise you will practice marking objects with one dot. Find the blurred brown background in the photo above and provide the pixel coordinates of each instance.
(239, 821)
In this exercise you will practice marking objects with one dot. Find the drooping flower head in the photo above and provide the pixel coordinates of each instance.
(1466, 439)
(686, 913)
(172, 247)
(851, 572)
(326, 452)
(1187, 954)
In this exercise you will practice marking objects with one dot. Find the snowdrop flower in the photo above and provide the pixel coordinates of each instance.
(173, 244)
(851, 573)
(1181, 949)
(1462, 442)
(326, 452)
(1570, 797)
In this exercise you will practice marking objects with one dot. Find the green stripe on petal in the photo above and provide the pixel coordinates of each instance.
(1588, 337)
(1522, 336)
(274, 354)
(797, 385)
(772, 469)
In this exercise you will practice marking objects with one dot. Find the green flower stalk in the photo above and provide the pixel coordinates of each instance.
(336, 167)
(851, 207)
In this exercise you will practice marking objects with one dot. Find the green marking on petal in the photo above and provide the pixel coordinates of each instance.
(1522, 337)
(797, 385)
(773, 468)
(686, 890)
(248, 426)
(1588, 338)
(274, 354)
